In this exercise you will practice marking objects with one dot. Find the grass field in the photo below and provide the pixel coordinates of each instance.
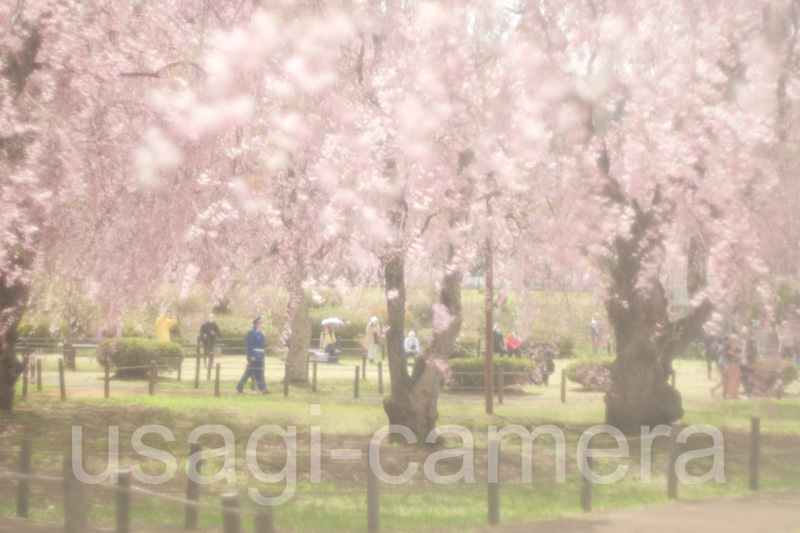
(338, 502)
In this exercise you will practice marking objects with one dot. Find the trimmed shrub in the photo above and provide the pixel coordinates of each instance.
(566, 348)
(770, 377)
(591, 374)
(517, 371)
(138, 353)
(461, 352)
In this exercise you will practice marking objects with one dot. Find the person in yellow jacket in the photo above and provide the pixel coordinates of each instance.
(163, 324)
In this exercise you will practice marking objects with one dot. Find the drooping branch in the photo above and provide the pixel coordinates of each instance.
(157, 73)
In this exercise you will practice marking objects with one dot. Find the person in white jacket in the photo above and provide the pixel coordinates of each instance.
(411, 346)
(372, 338)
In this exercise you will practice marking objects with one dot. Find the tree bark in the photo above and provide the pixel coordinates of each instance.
(13, 300)
(647, 340)
(297, 356)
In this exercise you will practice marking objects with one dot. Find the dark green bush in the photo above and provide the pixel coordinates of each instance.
(461, 352)
(39, 329)
(592, 374)
(770, 377)
(138, 353)
(469, 372)
(566, 347)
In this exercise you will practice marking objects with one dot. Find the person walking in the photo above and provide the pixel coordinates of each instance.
(163, 325)
(255, 358)
(209, 332)
(722, 368)
(498, 343)
(372, 338)
(712, 349)
(733, 352)
(594, 335)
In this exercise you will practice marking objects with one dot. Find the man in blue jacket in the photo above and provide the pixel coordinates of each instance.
(255, 358)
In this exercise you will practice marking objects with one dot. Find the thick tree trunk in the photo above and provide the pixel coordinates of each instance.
(297, 357)
(641, 394)
(394, 276)
(12, 305)
(647, 340)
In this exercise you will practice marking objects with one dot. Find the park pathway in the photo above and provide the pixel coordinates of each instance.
(767, 512)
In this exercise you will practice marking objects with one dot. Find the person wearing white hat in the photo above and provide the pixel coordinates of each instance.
(372, 338)
(411, 346)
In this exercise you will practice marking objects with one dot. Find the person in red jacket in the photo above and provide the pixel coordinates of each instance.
(513, 344)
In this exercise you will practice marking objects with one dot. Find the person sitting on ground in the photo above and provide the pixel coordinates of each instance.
(513, 344)
(411, 346)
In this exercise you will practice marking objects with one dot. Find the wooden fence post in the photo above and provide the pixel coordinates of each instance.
(286, 380)
(586, 489)
(76, 516)
(563, 386)
(38, 374)
(216, 380)
(672, 476)
(197, 372)
(23, 486)
(383, 351)
(314, 377)
(210, 364)
(755, 451)
(380, 377)
(373, 501)
(25, 378)
(264, 522)
(152, 383)
(230, 516)
(192, 491)
(355, 386)
(72, 358)
(62, 383)
(494, 491)
(107, 379)
(124, 501)
(500, 385)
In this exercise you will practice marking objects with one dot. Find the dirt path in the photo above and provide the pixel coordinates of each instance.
(769, 512)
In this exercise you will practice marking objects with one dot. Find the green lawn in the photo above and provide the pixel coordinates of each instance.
(338, 503)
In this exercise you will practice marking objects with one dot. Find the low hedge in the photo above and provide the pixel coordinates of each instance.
(517, 371)
(592, 374)
(770, 377)
(134, 352)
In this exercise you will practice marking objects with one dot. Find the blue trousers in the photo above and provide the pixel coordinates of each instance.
(254, 368)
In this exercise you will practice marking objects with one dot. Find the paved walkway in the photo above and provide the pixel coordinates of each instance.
(770, 512)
